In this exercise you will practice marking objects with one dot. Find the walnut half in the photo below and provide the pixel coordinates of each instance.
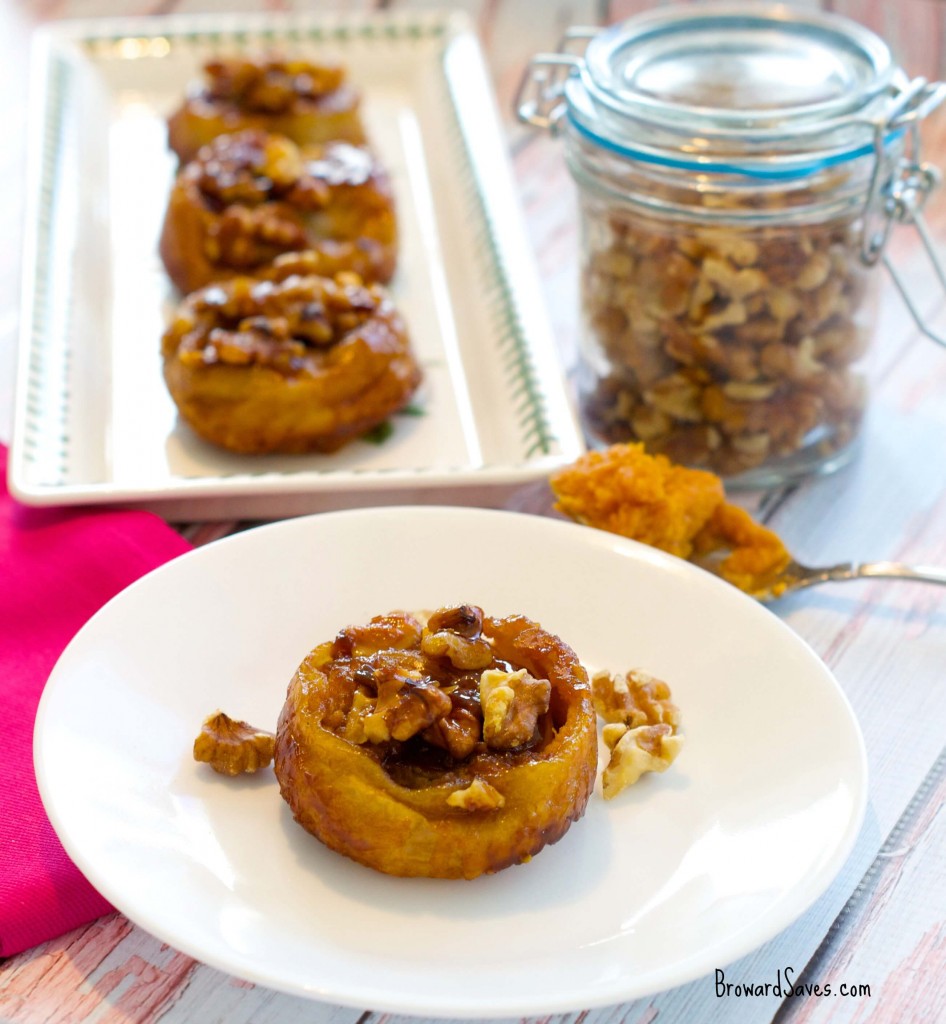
(646, 748)
(478, 796)
(231, 747)
(641, 730)
(512, 703)
(634, 699)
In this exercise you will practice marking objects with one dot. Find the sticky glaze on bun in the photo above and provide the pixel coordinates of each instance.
(307, 102)
(245, 199)
(448, 749)
(293, 364)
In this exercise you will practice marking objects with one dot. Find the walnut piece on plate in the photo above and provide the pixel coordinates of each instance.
(231, 747)
(635, 698)
(634, 751)
(641, 729)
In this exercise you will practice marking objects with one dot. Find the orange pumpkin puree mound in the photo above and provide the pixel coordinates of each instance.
(755, 555)
(683, 511)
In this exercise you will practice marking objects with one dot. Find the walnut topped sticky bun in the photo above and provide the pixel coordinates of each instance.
(297, 363)
(306, 101)
(247, 198)
(448, 748)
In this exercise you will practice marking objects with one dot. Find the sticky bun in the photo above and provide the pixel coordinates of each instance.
(307, 102)
(293, 364)
(247, 198)
(448, 748)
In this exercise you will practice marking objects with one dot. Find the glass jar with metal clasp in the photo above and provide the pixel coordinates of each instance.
(739, 168)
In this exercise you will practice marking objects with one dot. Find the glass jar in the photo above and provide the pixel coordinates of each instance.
(738, 168)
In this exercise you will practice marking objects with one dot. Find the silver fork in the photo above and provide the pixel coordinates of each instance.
(796, 576)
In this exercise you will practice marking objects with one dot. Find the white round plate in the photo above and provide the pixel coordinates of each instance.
(680, 874)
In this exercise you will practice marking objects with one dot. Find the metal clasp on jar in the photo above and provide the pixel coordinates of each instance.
(901, 198)
(540, 98)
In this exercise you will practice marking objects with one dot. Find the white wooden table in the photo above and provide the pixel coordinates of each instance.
(881, 927)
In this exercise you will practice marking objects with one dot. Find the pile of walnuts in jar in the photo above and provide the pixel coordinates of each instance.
(722, 345)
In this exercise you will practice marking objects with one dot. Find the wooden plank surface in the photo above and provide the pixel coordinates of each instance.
(882, 923)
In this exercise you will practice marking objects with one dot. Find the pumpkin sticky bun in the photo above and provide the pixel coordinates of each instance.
(307, 102)
(446, 749)
(247, 198)
(293, 364)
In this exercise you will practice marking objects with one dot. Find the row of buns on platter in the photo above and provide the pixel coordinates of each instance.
(281, 235)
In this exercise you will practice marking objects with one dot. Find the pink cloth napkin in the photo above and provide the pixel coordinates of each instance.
(57, 568)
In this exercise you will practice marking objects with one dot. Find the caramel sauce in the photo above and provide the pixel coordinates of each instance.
(417, 762)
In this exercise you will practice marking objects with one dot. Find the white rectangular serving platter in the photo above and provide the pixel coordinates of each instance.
(93, 422)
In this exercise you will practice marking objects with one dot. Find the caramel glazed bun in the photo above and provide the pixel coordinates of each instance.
(448, 750)
(309, 103)
(247, 198)
(292, 364)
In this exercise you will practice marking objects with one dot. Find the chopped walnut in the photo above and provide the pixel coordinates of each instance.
(383, 632)
(730, 316)
(244, 238)
(460, 650)
(677, 396)
(634, 751)
(270, 84)
(458, 732)
(641, 730)
(478, 796)
(464, 619)
(512, 703)
(730, 281)
(361, 707)
(231, 747)
(634, 699)
(405, 707)
(252, 167)
(284, 325)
